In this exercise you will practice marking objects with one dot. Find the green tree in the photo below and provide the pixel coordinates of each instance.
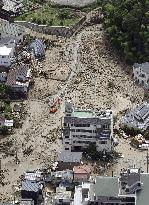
(127, 25)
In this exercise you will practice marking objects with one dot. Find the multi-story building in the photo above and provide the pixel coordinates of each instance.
(83, 127)
(130, 188)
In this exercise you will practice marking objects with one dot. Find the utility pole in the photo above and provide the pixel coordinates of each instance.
(147, 161)
(0, 168)
(61, 128)
(16, 153)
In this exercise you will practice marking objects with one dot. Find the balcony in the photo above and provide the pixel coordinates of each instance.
(101, 136)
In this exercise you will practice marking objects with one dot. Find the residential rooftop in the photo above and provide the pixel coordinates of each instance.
(144, 67)
(67, 156)
(106, 186)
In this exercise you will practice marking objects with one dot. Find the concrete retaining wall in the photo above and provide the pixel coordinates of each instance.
(52, 30)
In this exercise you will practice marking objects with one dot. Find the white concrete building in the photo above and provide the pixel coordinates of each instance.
(6, 56)
(82, 127)
(141, 74)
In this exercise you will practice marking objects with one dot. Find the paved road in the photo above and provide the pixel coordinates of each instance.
(78, 3)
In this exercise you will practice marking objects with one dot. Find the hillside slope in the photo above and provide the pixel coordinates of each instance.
(101, 79)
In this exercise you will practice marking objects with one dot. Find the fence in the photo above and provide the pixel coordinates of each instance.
(52, 30)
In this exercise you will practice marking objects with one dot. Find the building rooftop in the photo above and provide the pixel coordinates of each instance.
(5, 51)
(31, 186)
(33, 176)
(11, 29)
(83, 114)
(61, 193)
(26, 202)
(138, 117)
(9, 40)
(106, 186)
(67, 156)
(81, 170)
(22, 70)
(143, 66)
(91, 114)
(143, 195)
(12, 5)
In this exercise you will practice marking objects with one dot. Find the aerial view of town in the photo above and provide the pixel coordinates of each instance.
(74, 102)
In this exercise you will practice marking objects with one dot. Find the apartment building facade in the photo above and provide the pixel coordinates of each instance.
(83, 127)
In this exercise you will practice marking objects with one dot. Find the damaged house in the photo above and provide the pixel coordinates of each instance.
(19, 78)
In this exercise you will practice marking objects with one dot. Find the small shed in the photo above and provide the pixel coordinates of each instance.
(37, 47)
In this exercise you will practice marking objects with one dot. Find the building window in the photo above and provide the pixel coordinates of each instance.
(3, 56)
(66, 142)
(142, 75)
(103, 142)
(105, 126)
(66, 137)
(66, 148)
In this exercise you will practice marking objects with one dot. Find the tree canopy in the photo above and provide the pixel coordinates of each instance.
(127, 25)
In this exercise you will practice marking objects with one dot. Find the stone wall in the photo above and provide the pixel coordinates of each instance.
(52, 30)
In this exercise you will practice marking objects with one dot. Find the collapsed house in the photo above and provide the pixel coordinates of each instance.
(137, 118)
(37, 48)
(19, 79)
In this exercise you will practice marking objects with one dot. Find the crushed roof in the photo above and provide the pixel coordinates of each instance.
(38, 47)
